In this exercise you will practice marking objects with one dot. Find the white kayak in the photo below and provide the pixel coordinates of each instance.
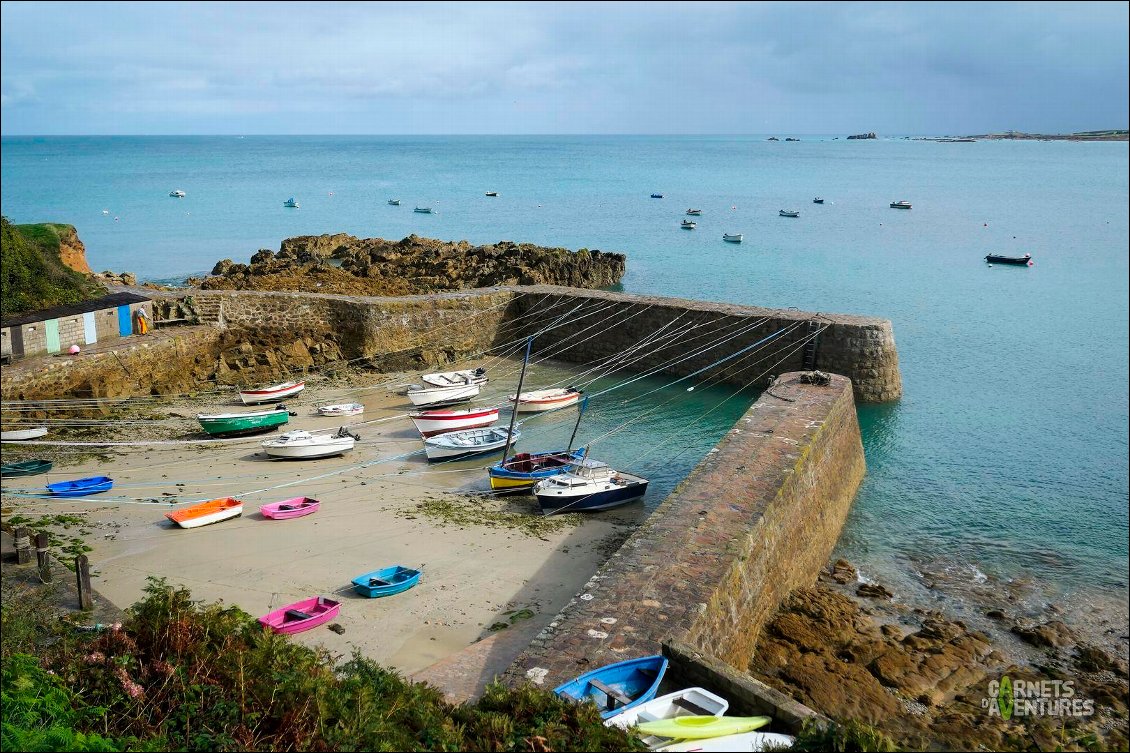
(747, 741)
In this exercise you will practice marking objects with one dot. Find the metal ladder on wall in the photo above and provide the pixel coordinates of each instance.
(810, 348)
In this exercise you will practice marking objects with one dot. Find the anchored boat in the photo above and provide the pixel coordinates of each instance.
(433, 422)
(900, 205)
(588, 485)
(463, 444)
(206, 513)
(694, 212)
(272, 393)
(25, 468)
(232, 424)
(689, 225)
(81, 487)
(386, 582)
(394, 202)
(735, 238)
(789, 213)
(290, 203)
(617, 687)
(1021, 261)
(296, 507)
(343, 409)
(429, 395)
(302, 445)
(19, 435)
(543, 400)
(456, 378)
(301, 615)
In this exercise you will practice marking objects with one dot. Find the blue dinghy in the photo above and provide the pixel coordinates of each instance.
(386, 582)
(619, 686)
(81, 487)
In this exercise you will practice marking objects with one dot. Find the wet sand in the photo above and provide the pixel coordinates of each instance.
(473, 574)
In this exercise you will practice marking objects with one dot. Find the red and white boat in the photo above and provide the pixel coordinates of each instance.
(432, 422)
(271, 393)
(543, 400)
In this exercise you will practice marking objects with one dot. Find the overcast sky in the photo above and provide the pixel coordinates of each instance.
(508, 68)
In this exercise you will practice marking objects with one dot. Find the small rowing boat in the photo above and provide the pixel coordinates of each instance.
(394, 202)
(689, 225)
(25, 468)
(457, 378)
(302, 445)
(233, 424)
(423, 210)
(20, 435)
(543, 400)
(81, 487)
(206, 513)
(301, 615)
(789, 213)
(463, 444)
(617, 687)
(272, 393)
(342, 409)
(430, 396)
(433, 422)
(386, 582)
(1020, 261)
(680, 703)
(694, 212)
(296, 507)
(900, 205)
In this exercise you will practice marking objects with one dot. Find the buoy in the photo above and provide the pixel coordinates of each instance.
(74, 350)
(985, 224)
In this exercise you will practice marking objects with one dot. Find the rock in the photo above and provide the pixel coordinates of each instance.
(337, 628)
(1052, 634)
(844, 572)
(1094, 659)
(874, 591)
(869, 135)
(996, 614)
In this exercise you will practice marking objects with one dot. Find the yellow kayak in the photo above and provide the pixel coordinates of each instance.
(701, 727)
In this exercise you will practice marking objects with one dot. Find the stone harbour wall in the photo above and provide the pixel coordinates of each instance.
(757, 518)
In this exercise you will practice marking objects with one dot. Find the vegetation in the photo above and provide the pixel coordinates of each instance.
(851, 736)
(32, 276)
(185, 676)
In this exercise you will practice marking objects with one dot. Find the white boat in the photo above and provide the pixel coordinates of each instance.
(688, 702)
(271, 393)
(789, 213)
(290, 203)
(301, 444)
(423, 210)
(694, 212)
(734, 238)
(747, 741)
(394, 202)
(18, 435)
(425, 395)
(433, 422)
(588, 485)
(462, 444)
(492, 193)
(342, 409)
(177, 194)
(453, 378)
(904, 204)
(689, 225)
(542, 400)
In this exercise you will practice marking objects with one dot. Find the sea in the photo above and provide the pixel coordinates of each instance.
(1005, 461)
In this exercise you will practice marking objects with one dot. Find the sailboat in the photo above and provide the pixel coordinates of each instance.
(521, 472)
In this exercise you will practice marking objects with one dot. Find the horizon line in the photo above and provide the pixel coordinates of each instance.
(417, 135)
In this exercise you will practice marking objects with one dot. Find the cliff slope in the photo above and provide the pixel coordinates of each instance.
(42, 265)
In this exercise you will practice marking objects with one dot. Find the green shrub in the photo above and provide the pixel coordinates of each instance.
(843, 738)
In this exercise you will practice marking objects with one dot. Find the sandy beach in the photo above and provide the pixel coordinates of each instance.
(486, 561)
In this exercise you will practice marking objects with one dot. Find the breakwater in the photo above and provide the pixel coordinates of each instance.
(757, 518)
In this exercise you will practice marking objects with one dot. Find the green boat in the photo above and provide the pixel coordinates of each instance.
(233, 424)
(25, 468)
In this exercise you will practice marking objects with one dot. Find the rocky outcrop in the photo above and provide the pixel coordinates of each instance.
(869, 135)
(71, 251)
(116, 278)
(373, 266)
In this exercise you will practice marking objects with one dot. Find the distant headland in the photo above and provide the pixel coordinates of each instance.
(1110, 135)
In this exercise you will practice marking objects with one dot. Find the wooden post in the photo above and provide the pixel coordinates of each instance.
(82, 573)
(23, 546)
(41, 542)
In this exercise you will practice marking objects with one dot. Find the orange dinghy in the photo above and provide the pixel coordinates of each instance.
(212, 511)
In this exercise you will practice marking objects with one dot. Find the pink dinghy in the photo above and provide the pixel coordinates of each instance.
(301, 615)
(290, 508)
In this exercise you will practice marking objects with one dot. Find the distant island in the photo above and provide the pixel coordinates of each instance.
(1110, 135)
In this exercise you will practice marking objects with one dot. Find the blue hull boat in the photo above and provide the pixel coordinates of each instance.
(521, 472)
(386, 582)
(619, 686)
(81, 487)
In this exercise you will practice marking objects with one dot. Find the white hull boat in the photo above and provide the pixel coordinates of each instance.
(455, 378)
(543, 400)
(272, 393)
(463, 444)
(431, 423)
(588, 485)
(689, 702)
(344, 409)
(424, 395)
(19, 435)
(300, 445)
(736, 238)
(753, 742)
(177, 194)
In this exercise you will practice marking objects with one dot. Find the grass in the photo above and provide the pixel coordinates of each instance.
(488, 512)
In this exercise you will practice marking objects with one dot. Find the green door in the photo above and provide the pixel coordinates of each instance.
(51, 328)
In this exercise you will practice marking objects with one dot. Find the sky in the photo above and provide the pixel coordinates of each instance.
(904, 68)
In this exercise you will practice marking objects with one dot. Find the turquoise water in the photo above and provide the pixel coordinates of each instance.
(1008, 451)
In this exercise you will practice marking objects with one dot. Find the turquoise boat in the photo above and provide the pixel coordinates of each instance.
(617, 687)
(233, 424)
(25, 468)
(386, 582)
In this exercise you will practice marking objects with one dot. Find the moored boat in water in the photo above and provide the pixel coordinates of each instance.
(537, 401)
(732, 238)
(1020, 261)
(900, 205)
(290, 203)
(588, 485)
(789, 213)
(301, 615)
(689, 225)
(524, 470)
(206, 513)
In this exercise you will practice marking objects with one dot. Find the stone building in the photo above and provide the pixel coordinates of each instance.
(55, 330)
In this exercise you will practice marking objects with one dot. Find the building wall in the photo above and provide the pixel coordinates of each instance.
(72, 331)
